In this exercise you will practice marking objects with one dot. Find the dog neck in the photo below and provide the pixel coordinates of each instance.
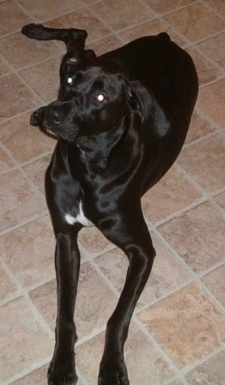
(96, 149)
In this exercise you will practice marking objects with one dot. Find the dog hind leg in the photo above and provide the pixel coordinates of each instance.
(68, 36)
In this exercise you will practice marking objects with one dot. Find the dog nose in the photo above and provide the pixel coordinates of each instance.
(36, 117)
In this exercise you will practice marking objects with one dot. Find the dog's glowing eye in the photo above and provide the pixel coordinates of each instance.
(69, 80)
(100, 98)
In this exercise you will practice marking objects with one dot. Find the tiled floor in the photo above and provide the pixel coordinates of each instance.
(177, 335)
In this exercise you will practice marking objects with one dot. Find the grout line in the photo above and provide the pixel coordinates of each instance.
(24, 10)
(20, 167)
(212, 9)
(32, 65)
(7, 120)
(63, 14)
(205, 273)
(211, 82)
(180, 212)
(33, 92)
(24, 223)
(24, 373)
(201, 51)
(200, 140)
(105, 278)
(208, 117)
(203, 360)
(150, 336)
(15, 71)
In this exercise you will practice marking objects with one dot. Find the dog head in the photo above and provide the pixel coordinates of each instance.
(96, 96)
(92, 99)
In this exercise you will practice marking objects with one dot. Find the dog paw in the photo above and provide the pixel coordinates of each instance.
(62, 373)
(113, 374)
(32, 30)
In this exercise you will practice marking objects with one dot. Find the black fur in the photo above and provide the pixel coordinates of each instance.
(121, 120)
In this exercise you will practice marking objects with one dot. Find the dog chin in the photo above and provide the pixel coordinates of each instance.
(50, 132)
(67, 138)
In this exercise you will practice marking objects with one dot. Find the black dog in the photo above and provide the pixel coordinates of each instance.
(121, 120)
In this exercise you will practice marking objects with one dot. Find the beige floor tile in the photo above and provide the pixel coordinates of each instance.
(45, 10)
(114, 265)
(215, 282)
(144, 361)
(94, 242)
(205, 161)
(218, 5)
(12, 18)
(220, 200)
(196, 21)
(12, 103)
(172, 193)
(44, 78)
(24, 141)
(187, 325)
(36, 172)
(212, 372)
(20, 203)
(207, 70)
(215, 49)
(198, 236)
(21, 51)
(24, 342)
(82, 19)
(93, 294)
(210, 101)
(38, 377)
(7, 286)
(162, 6)
(122, 14)
(88, 357)
(168, 273)
(199, 128)
(5, 162)
(89, 2)
(45, 299)
(153, 27)
(177, 383)
(29, 251)
(104, 45)
(4, 68)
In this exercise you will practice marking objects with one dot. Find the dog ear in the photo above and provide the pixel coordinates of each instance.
(141, 100)
(138, 98)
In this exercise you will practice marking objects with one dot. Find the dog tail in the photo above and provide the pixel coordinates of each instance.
(164, 36)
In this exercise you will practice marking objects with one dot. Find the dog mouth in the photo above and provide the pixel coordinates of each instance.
(50, 133)
(37, 120)
(53, 123)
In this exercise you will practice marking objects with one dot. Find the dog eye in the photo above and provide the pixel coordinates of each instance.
(100, 98)
(70, 80)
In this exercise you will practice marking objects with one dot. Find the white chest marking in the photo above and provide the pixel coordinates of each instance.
(80, 218)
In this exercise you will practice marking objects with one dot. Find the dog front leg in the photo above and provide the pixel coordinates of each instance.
(141, 253)
(67, 263)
